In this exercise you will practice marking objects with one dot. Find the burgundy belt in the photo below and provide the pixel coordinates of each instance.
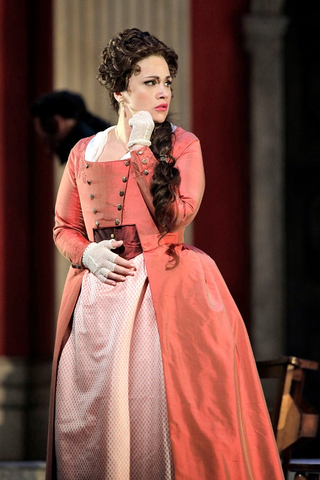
(128, 233)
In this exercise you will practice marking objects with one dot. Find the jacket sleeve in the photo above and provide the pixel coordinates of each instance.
(69, 232)
(192, 185)
(187, 152)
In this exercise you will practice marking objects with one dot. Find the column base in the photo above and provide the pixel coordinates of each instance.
(24, 402)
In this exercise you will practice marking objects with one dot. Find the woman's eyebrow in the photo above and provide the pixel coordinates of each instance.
(156, 76)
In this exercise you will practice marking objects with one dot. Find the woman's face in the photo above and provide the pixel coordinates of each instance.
(150, 89)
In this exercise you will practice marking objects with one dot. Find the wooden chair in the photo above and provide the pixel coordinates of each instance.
(305, 469)
(294, 421)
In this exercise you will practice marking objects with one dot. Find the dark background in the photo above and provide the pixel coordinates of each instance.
(302, 195)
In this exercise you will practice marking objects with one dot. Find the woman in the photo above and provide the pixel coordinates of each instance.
(153, 374)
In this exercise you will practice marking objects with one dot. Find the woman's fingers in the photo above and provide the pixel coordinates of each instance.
(123, 271)
(112, 273)
(112, 278)
(116, 277)
(122, 262)
(115, 243)
(120, 273)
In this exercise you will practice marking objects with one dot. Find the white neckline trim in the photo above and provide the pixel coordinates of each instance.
(97, 143)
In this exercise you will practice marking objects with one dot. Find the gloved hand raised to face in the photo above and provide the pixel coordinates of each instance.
(142, 127)
(109, 267)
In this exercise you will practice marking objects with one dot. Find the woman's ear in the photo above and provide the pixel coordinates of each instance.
(118, 96)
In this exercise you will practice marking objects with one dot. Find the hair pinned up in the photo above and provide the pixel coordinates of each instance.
(121, 56)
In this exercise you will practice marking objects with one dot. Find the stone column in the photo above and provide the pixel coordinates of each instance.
(264, 39)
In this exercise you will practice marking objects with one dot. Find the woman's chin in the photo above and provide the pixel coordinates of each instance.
(159, 117)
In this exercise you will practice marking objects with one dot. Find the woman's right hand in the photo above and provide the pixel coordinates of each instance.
(109, 267)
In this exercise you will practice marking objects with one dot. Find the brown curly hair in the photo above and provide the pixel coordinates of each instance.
(119, 62)
(121, 56)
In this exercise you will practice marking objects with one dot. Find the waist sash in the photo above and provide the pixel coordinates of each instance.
(128, 233)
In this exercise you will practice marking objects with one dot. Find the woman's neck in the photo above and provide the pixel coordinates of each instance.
(123, 128)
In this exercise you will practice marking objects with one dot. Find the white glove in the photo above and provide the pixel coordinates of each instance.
(98, 258)
(142, 128)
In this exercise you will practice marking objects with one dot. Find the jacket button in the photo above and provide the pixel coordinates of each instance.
(94, 210)
(97, 224)
(91, 196)
(144, 161)
(127, 163)
(140, 152)
(87, 165)
(124, 179)
(121, 193)
(119, 207)
(116, 222)
(146, 172)
(89, 182)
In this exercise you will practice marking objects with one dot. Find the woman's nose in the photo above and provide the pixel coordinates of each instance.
(162, 92)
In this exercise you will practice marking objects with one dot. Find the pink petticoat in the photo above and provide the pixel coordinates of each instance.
(111, 414)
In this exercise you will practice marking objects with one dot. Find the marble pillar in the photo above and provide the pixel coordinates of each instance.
(264, 40)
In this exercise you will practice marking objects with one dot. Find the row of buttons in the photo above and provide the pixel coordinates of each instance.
(144, 162)
(121, 193)
(92, 196)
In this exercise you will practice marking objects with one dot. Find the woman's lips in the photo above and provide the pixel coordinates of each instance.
(163, 107)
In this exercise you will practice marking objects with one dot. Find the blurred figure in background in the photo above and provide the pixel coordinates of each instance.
(61, 119)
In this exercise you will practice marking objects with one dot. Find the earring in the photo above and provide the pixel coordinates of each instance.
(122, 106)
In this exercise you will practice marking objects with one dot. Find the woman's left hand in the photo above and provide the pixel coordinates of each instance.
(142, 127)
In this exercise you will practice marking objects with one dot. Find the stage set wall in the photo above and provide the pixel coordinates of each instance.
(57, 44)
(26, 217)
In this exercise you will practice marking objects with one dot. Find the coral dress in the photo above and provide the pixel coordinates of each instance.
(153, 378)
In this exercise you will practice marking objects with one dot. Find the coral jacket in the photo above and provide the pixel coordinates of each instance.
(219, 425)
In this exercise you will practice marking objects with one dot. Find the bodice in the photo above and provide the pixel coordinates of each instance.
(110, 196)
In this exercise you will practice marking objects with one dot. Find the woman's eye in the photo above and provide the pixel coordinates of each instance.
(154, 82)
